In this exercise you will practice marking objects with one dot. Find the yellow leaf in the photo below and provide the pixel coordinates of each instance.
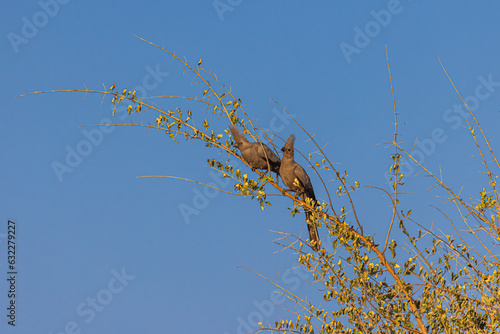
(199, 62)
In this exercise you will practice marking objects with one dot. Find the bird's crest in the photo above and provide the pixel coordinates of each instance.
(290, 142)
(237, 134)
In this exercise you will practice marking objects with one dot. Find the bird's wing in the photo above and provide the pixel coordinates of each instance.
(306, 184)
(267, 152)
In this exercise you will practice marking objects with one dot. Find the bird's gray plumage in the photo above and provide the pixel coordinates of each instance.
(291, 171)
(257, 155)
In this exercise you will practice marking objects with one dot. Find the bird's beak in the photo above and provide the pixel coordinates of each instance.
(283, 149)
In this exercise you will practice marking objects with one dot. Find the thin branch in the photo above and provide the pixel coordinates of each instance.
(193, 181)
(396, 157)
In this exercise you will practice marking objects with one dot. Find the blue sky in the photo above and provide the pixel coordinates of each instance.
(102, 251)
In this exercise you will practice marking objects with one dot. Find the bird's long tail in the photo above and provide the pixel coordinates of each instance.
(313, 232)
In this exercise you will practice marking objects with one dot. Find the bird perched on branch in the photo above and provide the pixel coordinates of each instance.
(296, 178)
(258, 155)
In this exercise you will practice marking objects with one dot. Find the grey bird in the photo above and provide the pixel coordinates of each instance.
(258, 155)
(290, 171)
